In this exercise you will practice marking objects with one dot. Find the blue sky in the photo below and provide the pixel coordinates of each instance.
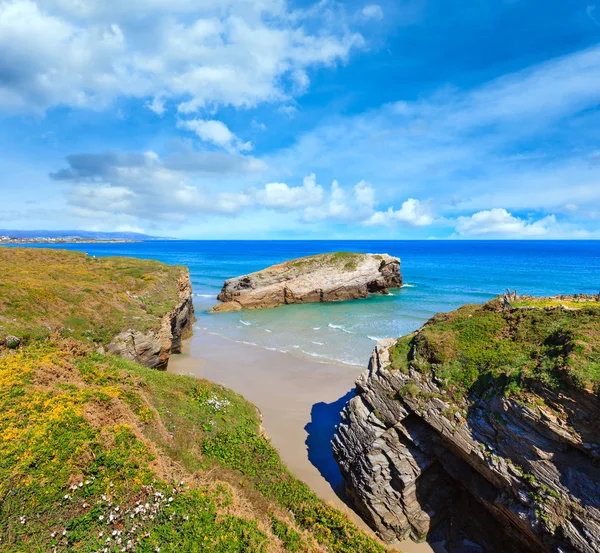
(271, 119)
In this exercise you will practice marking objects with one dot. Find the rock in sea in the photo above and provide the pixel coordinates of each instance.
(318, 278)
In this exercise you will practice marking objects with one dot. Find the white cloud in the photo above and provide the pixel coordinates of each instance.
(335, 207)
(343, 206)
(288, 110)
(365, 195)
(468, 149)
(412, 212)
(215, 132)
(199, 55)
(111, 198)
(372, 11)
(157, 105)
(129, 228)
(143, 188)
(497, 222)
(279, 195)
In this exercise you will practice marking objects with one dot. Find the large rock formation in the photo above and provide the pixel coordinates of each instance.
(153, 348)
(484, 425)
(318, 278)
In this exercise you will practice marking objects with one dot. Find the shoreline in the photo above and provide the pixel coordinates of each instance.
(59, 241)
(299, 400)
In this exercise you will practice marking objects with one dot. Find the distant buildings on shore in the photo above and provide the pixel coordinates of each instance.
(64, 240)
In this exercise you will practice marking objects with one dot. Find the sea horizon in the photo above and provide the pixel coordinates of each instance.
(439, 276)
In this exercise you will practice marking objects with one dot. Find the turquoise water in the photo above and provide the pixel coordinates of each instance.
(439, 276)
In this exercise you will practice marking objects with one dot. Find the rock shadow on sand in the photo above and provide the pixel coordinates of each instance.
(324, 417)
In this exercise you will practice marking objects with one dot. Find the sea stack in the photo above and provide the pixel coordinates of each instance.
(318, 278)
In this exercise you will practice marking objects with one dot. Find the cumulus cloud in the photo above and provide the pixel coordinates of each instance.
(157, 105)
(498, 222)
(199, 55)
(135, 187)
(412, 213)
(365, 195)
(344, 206)
(372, 11)
(146, 186)
(279, 195)
(215, 132)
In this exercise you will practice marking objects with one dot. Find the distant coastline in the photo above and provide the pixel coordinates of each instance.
(73, 240)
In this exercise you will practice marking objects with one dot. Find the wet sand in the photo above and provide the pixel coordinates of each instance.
(300, 402)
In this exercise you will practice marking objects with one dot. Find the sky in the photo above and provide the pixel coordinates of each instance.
(267, 119)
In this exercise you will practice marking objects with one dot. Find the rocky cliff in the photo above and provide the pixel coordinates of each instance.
(137, 308)
(319, 278)
(481, 429)
(154, 347)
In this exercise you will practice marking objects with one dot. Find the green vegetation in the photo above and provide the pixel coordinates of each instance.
(101, 454)
(347, 260)
(571, 303)
(91, 299)
(477, 349)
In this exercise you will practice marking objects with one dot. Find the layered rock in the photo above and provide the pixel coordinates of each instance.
(154, 347)
(320, 278)
(511, 463)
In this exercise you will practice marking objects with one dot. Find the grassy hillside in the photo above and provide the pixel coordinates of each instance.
(88, 298)
(101, 454)
(554, 342)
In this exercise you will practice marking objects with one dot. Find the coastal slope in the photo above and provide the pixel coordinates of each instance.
(99, 453)
(482, 427)
(318, 278)
(135, 308)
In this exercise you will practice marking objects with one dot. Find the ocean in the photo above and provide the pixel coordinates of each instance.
(438, 275)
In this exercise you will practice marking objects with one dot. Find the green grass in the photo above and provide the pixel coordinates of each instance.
(479, 348)
(98, 452)
(571, 303)
(347, 260)
(82, 433)
(43, 292)
(75, 466)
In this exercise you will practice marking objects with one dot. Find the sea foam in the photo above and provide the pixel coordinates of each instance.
(340, 327)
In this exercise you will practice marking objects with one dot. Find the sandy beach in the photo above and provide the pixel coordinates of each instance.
(300, 402)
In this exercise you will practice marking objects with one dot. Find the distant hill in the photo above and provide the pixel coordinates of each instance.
(79, 234)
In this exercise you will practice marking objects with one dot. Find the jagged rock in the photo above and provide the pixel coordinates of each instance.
(527, 465)
(12, 342)
(153, 349)
(319, 278)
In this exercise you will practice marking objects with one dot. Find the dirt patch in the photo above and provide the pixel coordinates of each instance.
(48, 376)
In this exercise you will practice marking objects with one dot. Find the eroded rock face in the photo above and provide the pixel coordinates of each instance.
(319, 278)
(154, 348)
(516, 476)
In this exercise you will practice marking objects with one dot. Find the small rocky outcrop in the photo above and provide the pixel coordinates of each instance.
(154, 347)
(12, 342)
(482, 427)
(319, 278)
